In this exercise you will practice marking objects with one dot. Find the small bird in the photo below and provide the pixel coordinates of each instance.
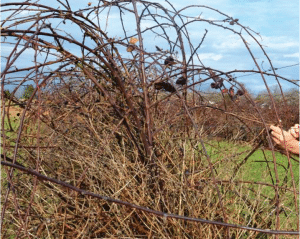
(181, 81)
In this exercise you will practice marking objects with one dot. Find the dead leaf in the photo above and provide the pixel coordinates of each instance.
(212, 75)
(224, 91)
(169, 61)
(133, 40)
(130, 48)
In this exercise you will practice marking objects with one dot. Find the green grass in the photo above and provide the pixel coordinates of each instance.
(11, 132)
(11, 135)
(258, 168)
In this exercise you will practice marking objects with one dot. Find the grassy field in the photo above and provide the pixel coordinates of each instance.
(256, 172)
(258, 167)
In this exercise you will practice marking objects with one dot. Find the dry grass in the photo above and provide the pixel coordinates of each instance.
(91, 149)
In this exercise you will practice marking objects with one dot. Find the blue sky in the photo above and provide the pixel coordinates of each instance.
(276, 21)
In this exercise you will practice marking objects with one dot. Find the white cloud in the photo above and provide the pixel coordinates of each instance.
(279, 42)
(292, 55)
(210, 56)
(230, 42)
(282, 45)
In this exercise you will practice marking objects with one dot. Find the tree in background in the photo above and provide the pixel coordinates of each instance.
(27, 92)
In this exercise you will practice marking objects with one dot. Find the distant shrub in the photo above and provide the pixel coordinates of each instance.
(7, 93)
(27, 92)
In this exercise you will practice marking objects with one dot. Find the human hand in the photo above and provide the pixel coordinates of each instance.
(286, 139)
(294, 131)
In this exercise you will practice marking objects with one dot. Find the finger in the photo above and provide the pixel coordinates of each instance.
(272, 127)
(297, 130)
(296, 126)
(275, 129)
(294, 133)
(275, 134)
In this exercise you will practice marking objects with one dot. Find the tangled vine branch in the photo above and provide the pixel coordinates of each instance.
(132, 103)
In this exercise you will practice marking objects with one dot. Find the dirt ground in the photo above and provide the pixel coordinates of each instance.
(14, 111)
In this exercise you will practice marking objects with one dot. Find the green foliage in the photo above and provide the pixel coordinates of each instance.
(7, 93)
(28, 92)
